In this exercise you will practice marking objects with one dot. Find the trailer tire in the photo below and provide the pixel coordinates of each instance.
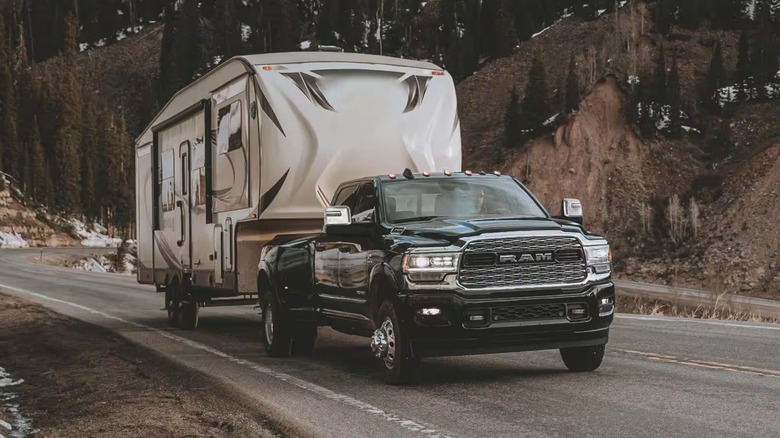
(305, 340)
(276, 329)
(173, 304)
(189, 315)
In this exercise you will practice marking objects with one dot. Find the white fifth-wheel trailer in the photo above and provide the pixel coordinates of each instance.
(258, 146)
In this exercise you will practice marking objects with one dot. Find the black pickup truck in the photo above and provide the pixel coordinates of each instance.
(438, 265)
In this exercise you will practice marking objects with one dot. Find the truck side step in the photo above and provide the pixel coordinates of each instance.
(231, 302)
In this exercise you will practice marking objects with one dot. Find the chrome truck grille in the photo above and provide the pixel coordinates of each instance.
(523, 262)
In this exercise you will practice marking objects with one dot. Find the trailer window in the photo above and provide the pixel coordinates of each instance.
(229, 136)
(167, 191)
(198, 173)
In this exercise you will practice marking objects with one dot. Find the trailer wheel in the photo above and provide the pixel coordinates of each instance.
(392, 349)
(276, 330)
(305, 340)
(173, 304)
(189, 315)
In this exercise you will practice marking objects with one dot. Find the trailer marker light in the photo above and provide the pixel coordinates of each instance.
(437, 73)
(468, 173)
(267, 67)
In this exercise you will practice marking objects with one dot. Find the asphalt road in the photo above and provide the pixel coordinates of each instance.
(661, 376)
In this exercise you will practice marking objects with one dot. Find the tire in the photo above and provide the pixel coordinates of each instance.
(275, 330)
(173, 304)
(392, 350)
(583, 359)
(189, 315)
(305, 340)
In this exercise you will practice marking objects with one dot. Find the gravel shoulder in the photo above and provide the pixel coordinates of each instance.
(83, 381)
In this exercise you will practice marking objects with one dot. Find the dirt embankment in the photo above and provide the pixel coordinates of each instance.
(83, 381)
(21, 220)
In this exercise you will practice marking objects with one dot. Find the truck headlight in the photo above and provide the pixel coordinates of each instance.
(442, 262)
(599, 257)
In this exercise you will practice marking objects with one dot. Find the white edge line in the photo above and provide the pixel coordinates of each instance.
(407, 424)
(695, 320)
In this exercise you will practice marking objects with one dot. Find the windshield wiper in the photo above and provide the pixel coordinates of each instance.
(415, 219)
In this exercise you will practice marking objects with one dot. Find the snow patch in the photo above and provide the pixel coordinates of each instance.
(12, 240)
(19, 426)
(93, 236)
(304, 45)
(246, 32)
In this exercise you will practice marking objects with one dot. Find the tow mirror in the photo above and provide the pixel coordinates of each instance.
(339, 215)
(571, 209)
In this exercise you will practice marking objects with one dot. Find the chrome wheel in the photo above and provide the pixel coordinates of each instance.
(383, 343)
(269, 325)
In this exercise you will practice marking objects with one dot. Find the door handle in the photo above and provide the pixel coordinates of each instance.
(180, 204)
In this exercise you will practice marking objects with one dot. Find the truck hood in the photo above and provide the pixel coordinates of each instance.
(442, 232)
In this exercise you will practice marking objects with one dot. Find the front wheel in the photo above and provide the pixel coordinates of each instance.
(583, 359)
(189, 315)
(392, 349)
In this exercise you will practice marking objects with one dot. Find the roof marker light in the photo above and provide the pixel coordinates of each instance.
(468, 173)
(267, 67)
(426, 174)
(496, 173)
(448, 173)
(392, 176)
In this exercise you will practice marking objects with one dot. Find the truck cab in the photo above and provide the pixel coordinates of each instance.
(444, 264)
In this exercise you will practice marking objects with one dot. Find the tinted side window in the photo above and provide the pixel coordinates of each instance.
(366, 201)
(346, 196)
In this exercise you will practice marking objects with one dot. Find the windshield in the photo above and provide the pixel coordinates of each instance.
(458, 198)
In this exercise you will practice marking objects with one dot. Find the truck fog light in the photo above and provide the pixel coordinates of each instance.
(577, 312)
(477, 318)
(431, 311)
(606, 306)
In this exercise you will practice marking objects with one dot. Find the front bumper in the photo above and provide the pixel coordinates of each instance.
(492, 323)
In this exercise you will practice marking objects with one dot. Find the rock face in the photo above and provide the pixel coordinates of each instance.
(594, 156)
(19, 220)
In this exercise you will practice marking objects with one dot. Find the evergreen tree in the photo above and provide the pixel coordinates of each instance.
(675, 103)
(39, 174)
(743, 65)
(168, 83)
(715, 78)
(690, 13)
(727, 14)
(764, 65)
(351, 25)
(498, 24)
(190, 46)
(534, 107)
(227, 30)
(664, 16)
(90, 141)
(512, 122)
(9, 142)
(659, 82)
(66, 163)
(572, 100)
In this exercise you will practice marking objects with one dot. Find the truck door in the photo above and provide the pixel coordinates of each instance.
(354, 252)
(326, 258)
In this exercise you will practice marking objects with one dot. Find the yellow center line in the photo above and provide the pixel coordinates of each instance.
(702, 363)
